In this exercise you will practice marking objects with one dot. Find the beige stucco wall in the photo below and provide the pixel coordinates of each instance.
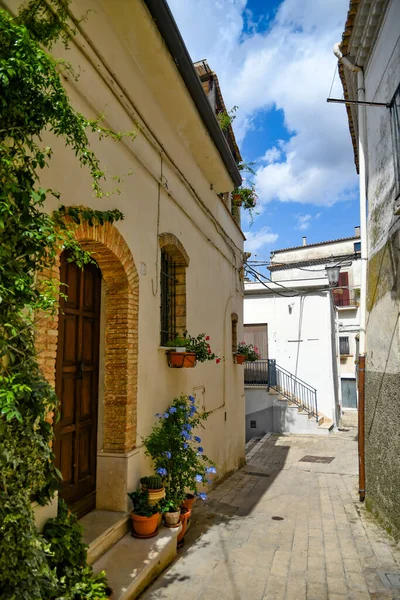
(169, 191)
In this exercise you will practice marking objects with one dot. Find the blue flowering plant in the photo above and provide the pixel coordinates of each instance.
(176, 451)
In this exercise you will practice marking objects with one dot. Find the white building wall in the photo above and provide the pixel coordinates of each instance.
(300, 338)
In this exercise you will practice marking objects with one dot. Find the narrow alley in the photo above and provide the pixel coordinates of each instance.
(284, 528)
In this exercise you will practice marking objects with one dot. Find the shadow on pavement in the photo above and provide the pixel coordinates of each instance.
(225, 510)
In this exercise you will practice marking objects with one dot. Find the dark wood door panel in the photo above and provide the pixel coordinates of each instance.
(77, 384)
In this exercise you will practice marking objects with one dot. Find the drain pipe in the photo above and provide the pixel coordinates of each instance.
(364, 256)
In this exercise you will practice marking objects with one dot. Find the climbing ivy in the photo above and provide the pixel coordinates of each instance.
(33, 102)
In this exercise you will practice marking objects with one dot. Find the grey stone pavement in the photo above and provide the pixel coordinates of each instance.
(325, 546)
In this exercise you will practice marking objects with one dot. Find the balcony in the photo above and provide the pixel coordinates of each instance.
(256, 373)
(346, 297)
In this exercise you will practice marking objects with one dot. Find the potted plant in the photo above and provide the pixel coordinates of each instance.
(154, 487)
(177, 452)
(171, 512)
(197, 349)
(144, 516)
(178, 344)
(246, 353)
(189, 501)
(179, 356)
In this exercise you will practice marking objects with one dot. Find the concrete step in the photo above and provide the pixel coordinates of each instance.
(132, 564)
(103, 529)
(327, 424)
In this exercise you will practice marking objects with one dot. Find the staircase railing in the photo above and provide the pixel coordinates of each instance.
(267, 372)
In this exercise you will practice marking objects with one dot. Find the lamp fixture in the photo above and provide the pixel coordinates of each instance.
(332, 272)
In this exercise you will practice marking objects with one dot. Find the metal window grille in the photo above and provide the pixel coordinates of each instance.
(344, 345)
(168, 298)
(253, 425)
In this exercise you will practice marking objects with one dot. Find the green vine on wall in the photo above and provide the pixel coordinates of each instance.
(33, 102)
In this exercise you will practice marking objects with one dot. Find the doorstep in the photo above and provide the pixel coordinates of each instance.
(132, 564)
(101, 530)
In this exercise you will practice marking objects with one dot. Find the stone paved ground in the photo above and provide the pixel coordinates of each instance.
(326, 546)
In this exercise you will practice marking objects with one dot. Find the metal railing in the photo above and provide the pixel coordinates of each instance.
(267, 372)
(256, 373)
(346, 297)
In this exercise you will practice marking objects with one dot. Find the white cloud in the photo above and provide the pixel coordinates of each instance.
(271, 155)
(288, 67)
(303, 221)
(255, 240)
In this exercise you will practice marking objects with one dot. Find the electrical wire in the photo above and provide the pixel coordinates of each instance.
(258, 276)
(333, 79)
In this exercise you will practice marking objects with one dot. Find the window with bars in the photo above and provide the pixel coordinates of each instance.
(168, 298)
(344, 346)
(235, 320)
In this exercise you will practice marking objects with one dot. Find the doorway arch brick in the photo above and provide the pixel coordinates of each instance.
(121, 283)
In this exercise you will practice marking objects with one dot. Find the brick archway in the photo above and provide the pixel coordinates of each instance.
(121, 283)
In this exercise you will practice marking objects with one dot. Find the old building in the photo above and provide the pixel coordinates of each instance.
(311, 332)
(369, 67)
(173, 264)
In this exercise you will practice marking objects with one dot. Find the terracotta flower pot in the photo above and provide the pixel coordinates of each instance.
(184, 517)
(144, 525)
(189, 501)
(240, 358)
(237, 198)
(172, 518)
(177, 360)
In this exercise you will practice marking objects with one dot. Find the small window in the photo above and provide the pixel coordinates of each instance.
(357, 246)
(235, 320)
(344, 346)
(253, 425)
(168, 298)
(174, 260)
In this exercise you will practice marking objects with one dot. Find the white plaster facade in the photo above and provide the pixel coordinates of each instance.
(304, 323)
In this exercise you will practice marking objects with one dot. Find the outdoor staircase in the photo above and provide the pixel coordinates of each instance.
(296, 399)
(301, 420)
(130, 564)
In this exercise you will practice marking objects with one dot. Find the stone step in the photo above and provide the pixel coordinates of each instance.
(327, 424)
(132, 564)
(103, 529)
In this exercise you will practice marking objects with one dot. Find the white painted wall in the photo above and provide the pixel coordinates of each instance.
(299, 337)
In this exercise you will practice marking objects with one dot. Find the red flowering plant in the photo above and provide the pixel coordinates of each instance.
(200, 346)
(249, 351)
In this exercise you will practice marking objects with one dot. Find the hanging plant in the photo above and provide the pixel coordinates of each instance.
(245, 195)
(33, 101)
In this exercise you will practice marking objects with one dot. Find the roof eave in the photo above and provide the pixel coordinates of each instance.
(169, 31)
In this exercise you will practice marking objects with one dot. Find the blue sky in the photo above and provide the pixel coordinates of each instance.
(274, 60)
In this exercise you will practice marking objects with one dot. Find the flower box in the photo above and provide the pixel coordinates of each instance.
(179, 360)
(239, 358)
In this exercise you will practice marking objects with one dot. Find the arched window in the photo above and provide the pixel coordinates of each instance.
(235, 320)
(174, 260)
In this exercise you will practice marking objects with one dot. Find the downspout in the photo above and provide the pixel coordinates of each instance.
(364, 257)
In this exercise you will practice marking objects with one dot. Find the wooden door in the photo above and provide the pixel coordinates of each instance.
(77, 384)
(342, 294)
(258, 336)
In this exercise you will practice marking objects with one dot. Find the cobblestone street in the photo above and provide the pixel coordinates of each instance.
(281, 529)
